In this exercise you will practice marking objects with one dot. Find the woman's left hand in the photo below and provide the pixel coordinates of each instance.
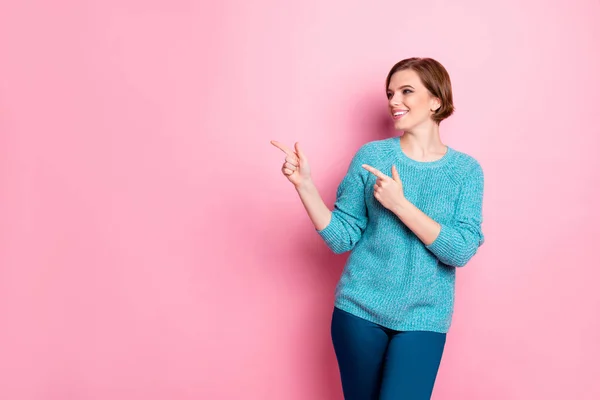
(387, 190)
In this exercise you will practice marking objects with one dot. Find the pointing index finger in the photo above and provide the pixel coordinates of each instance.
(375, 171)
(283, 148)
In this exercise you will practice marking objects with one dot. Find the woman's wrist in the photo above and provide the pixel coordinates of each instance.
(401, 207)
(305, 184)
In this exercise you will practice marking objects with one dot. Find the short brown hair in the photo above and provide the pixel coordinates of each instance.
(434, 77)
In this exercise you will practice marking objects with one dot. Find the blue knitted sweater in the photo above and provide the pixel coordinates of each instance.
(391, 277)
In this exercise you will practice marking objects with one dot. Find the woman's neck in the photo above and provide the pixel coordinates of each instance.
(423, 144)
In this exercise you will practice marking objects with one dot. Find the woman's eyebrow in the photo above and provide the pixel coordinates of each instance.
(403, 86)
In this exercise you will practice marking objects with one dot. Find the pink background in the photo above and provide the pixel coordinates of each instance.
(151, 249)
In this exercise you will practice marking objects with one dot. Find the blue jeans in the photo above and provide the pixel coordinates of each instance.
(377, 363)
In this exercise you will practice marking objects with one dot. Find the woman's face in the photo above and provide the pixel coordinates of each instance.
(411, 105)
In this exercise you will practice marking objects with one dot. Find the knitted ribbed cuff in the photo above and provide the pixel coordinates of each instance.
(331, 234)
(442, 245)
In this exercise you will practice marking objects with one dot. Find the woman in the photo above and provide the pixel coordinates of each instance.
(410, 210)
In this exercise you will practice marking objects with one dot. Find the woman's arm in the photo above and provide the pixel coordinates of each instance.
(349, 216)
(341, 228)
(460, 237)
(453, 243)
(297, 170)
(317, 211)
(425, 228)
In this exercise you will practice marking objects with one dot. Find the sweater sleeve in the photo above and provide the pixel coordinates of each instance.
(460, 238)
(349, 216)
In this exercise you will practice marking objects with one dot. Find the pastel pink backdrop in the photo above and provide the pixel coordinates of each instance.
(151, 249)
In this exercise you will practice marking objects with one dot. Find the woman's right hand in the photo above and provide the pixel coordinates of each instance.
(295, 166)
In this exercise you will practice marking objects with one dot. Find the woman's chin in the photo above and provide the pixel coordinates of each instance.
(399, 126)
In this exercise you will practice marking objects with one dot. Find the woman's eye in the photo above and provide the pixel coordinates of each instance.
(406, 91)
(389, 95)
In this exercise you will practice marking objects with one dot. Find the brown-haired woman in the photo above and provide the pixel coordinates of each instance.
(410, 211)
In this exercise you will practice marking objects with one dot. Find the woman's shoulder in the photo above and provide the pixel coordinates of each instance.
(465, 167)
(378, 148)
(465, 161)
